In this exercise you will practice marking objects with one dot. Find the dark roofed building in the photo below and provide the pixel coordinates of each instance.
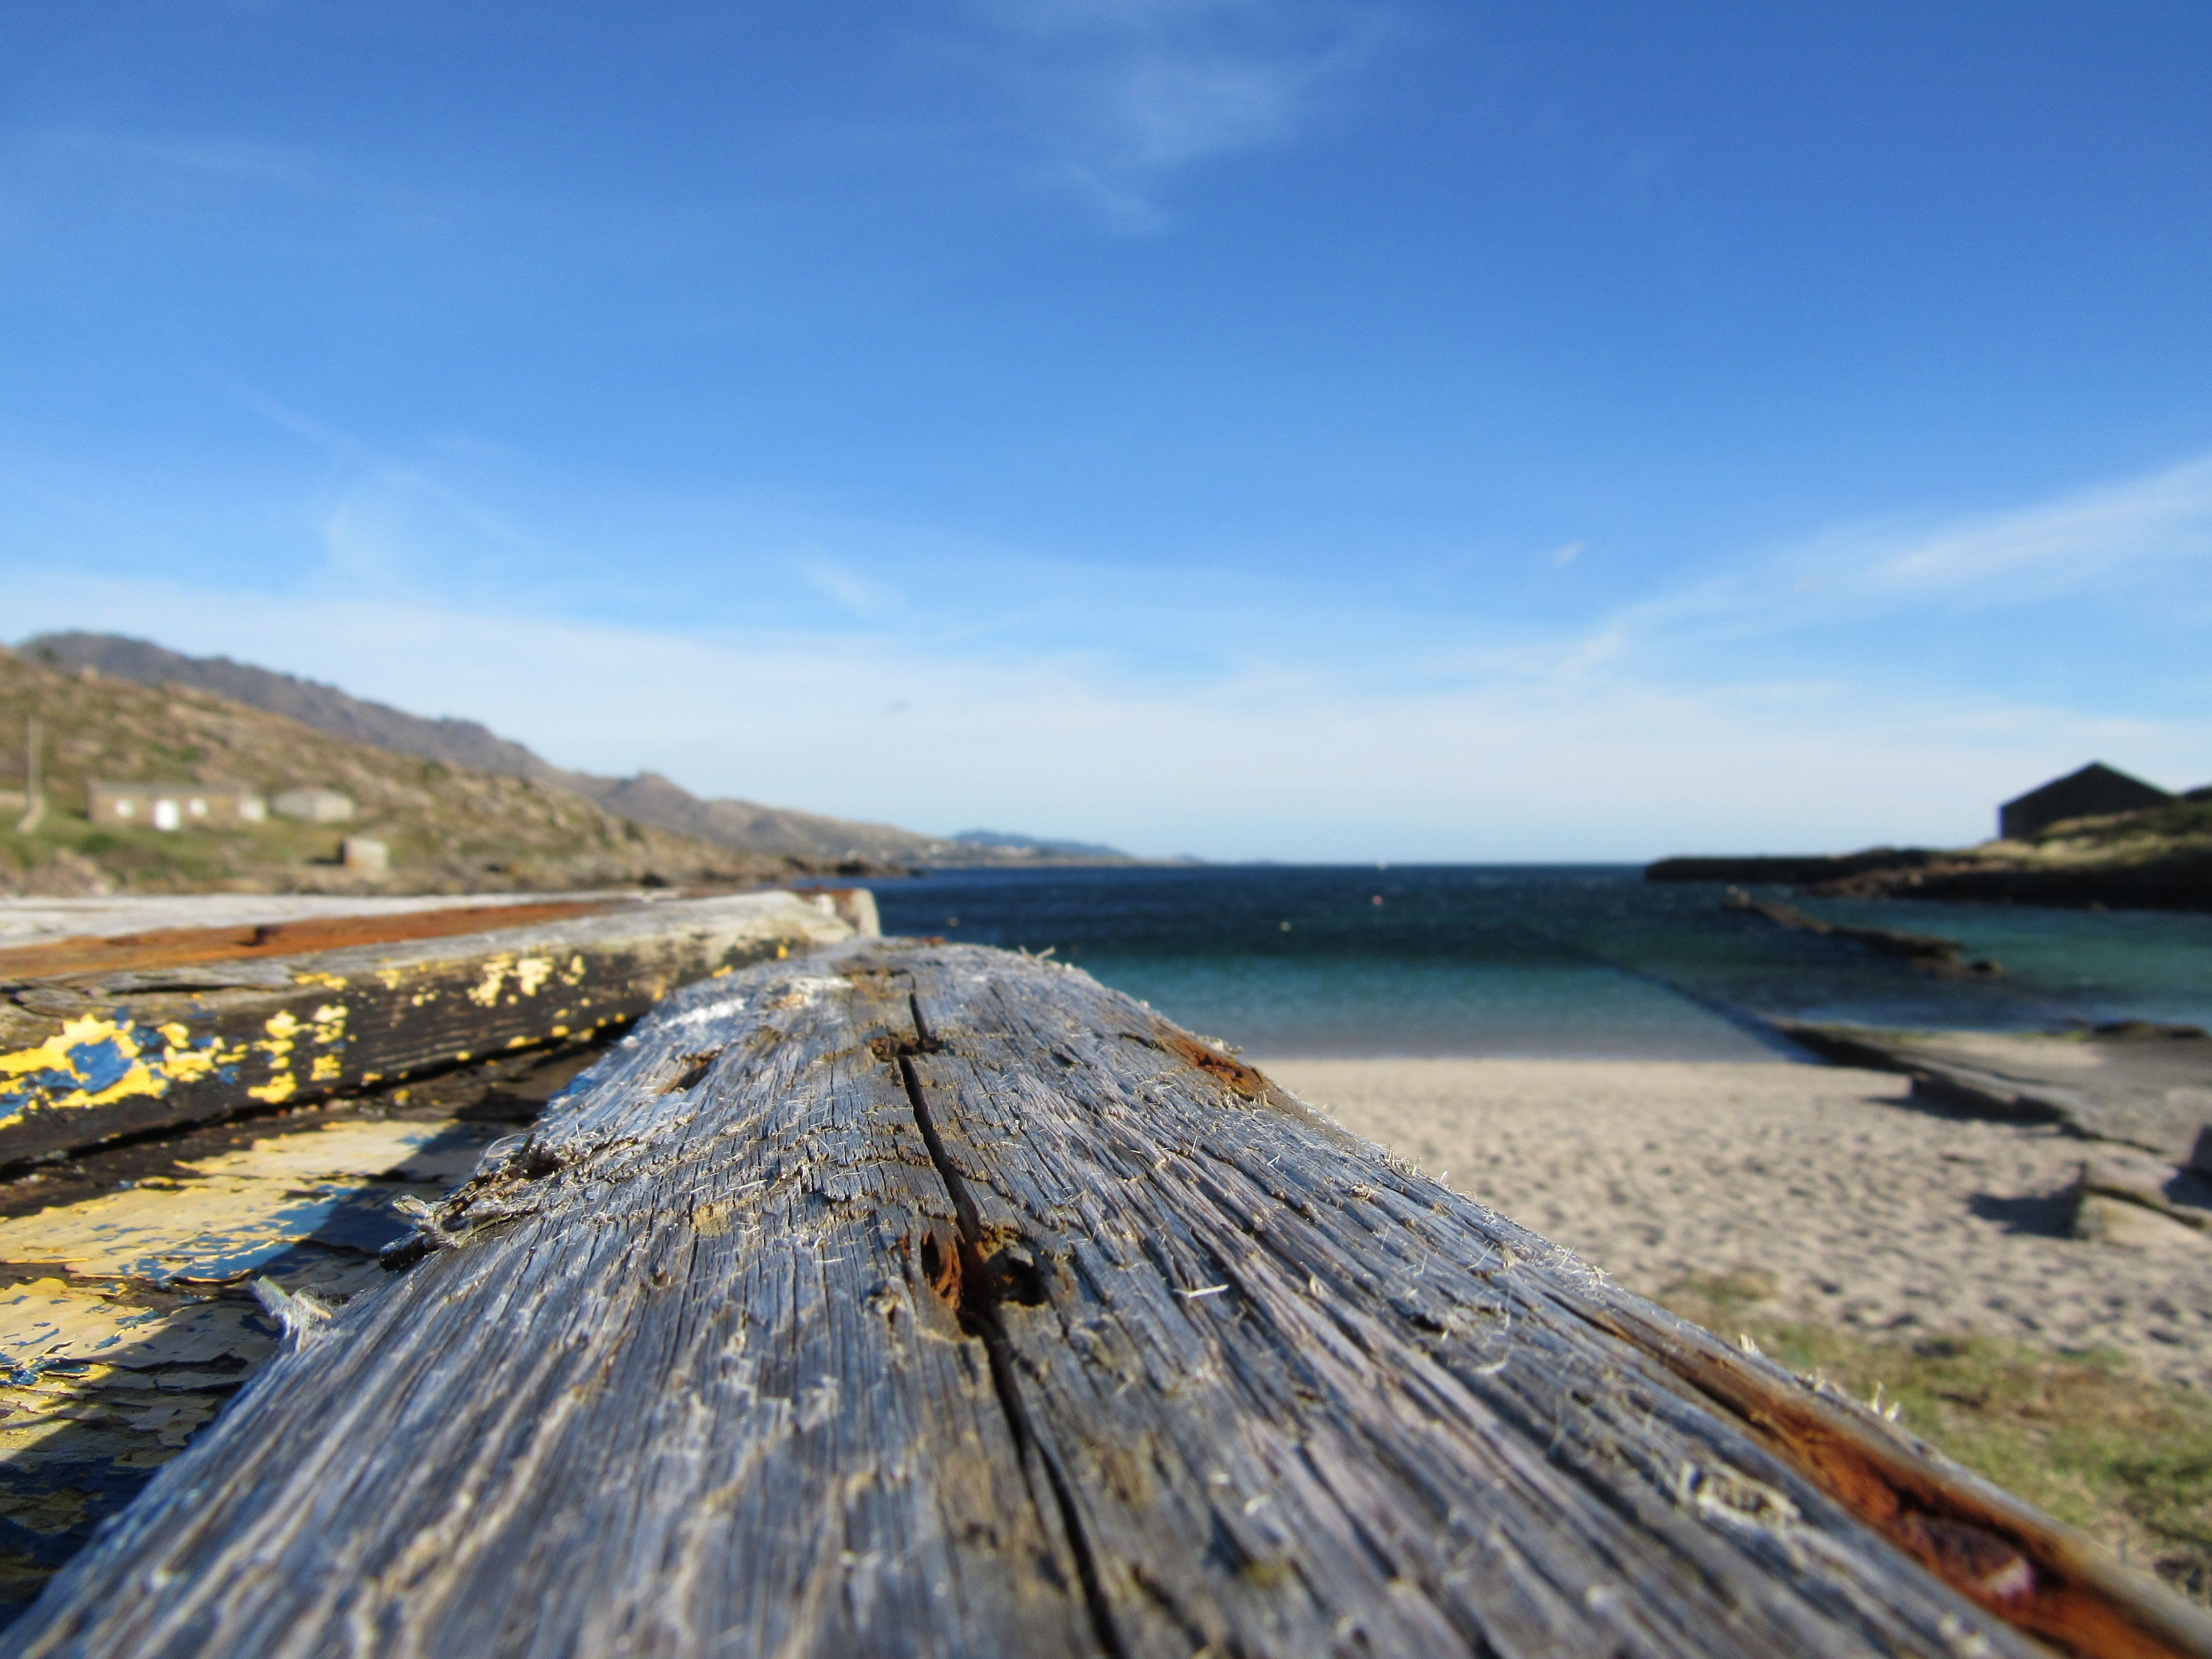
(2091, 792)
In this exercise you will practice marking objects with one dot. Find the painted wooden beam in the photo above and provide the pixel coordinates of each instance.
(923, 1300)
(128, 1277)
(180, 1032)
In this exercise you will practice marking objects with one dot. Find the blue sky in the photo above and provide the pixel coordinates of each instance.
(1301, 430)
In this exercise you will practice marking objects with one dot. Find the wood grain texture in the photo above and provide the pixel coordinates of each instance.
(929, 1300)
(123, 1050)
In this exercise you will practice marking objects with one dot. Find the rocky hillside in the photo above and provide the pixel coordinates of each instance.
(648, 799)
(326, 709)
(449, 829)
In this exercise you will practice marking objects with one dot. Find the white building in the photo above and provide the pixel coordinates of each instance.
(316, 805)
(174, 805)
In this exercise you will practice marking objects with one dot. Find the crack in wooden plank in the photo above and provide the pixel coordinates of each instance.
(978, 1313)
(754, 1377)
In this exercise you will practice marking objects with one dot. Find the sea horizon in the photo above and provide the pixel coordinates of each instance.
(1542, 961)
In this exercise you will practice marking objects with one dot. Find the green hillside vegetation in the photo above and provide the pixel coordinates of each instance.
(447, 829)
(647, 797)
(2159, 859)
(2155, 832)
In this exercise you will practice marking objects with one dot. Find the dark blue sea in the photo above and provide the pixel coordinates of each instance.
(1535, 961)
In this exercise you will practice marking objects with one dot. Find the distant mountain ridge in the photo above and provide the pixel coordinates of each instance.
(648, 799)
(326, 709)
(1082, 849)
(443, 828)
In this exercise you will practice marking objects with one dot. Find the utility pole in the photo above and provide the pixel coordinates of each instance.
(34, 799)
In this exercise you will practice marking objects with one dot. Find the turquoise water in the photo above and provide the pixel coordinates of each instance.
(1542, 960)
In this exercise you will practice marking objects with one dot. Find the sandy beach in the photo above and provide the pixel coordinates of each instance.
(1855, 1206)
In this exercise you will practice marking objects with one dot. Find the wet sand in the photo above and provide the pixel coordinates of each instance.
(1859, 1208)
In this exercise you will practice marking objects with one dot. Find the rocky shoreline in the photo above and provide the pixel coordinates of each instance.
(2156, 859)
(1926, 952)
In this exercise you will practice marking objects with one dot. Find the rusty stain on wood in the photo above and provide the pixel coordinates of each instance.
(955, 1306)
(2038, 1575)
(181, 947)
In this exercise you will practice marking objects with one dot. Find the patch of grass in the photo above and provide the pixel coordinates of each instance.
(2179, 820)
(2126, 1459)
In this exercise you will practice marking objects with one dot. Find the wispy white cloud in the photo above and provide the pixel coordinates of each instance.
(2134, 537)
(1113, 99)
(381, 519)
(64, 187)
(176, 159)
(2061, 546)
(859, 595)
(985, 685)
(1297, 760)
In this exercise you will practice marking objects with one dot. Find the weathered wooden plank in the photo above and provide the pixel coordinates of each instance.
(726, 1412)
(126, 1319)
(1389, 1327)
(917, 1300)
(121, 1049)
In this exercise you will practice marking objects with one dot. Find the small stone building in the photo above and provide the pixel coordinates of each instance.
(315, 806)
(365, 856)
(2094, 790)
(174, 805)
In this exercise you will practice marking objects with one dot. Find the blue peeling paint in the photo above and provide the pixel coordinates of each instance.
(102, 1065)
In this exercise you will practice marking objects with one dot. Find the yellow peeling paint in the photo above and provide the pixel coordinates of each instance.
(214, 1228)
(485, 993)
(575, 973)
(188, 1065)
(528, 974)
(326, 1069)
(283, 1028)
(330, 1022)
(367, 1078)
(389, 977)
(66, 1054)
(722, 971)
(52, 1322)
(334, 1151)
(49, 1513)
(332, 981)
(53, 1053)
(176, 1033)
(559, 1030)
(518, 1042)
